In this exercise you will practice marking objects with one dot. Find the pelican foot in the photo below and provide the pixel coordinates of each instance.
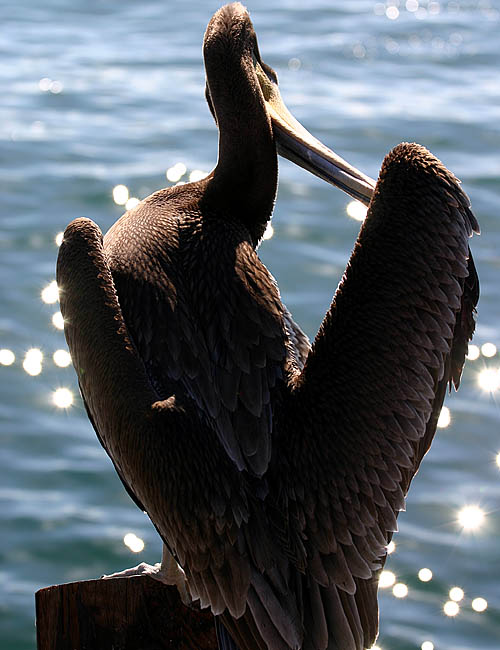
(141, 569)
(169, 572)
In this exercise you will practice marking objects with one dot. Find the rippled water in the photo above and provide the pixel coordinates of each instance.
(100, 93)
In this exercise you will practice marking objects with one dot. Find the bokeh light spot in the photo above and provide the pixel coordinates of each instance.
(120, 194)
(387, 579)
(488, 350)
(400, 590)
(425, 575)
(32, 363)
(269, 232)
(479, 604)
(134, 543)
(489, 379)
(132, 203)
(444, 418)
(471, 517)
(175, 173)
(473, 352)
(391, 547)
(50, 294)
(392, 12)
(61, 358)
(456, 594)
(196, 175)
(58, 320)
(7, 357)
(427, 645)
(59, 238)
(451, 608)
(62, 398)
(356, 210)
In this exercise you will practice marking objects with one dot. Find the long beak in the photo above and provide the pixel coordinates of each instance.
(294, 142)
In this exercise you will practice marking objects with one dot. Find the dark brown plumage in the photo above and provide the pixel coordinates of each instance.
(273, 471)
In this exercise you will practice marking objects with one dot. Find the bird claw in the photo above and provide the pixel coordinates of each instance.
(169, 575)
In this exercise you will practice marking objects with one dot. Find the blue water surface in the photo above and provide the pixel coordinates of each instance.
(98, 93)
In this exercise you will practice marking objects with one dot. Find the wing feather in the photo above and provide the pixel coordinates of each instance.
(364, 410)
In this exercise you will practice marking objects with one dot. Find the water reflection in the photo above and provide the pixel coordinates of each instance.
(50, 294)
(400, 590)
(488, 350)
(58, 320)
(425, 575)
(62, 398)
(7, 357)
(444, 418)
(120, 194)
(32, 363)
(451, 608)
(473, 352)
(175, 173)
(132, 203)
(471, 517)
(489, 379)
(387, 579)
(134, 543)
(61, 358)
(356, 210)
(479, 604)
(456, 594)
(196, 175)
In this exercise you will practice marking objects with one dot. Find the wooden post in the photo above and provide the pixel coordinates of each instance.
(134, 613)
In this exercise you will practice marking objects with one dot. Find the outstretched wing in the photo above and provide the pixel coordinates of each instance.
(365, 409)
(172, 464)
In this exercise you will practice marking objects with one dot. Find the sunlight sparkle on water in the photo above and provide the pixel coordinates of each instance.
(196, 175)
(425, 575)
(444, 418)
(427, 645)
(50, 294)
(356, 210)
(451, 608)
(488, 350)
(7, 357)
(391, 547)
(120, 194)
(400, 590)
(176, 172)
(62, 398)
(479, 604)
(59, 238)
(392, 12)
(269, 232)
(62, 358)
(489, 379)
(32, 363)
(498, 459)
(132, 203)
(473, 352)
(411, 5)
(387, 579)
(135, 544)
(58, 320)
(471, 517)
(456, 594)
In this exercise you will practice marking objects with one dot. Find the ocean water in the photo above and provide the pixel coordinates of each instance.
(101, 93)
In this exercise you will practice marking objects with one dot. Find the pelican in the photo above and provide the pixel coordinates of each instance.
(272, 470)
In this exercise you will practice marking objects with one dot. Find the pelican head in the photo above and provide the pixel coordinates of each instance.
(240, 83)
